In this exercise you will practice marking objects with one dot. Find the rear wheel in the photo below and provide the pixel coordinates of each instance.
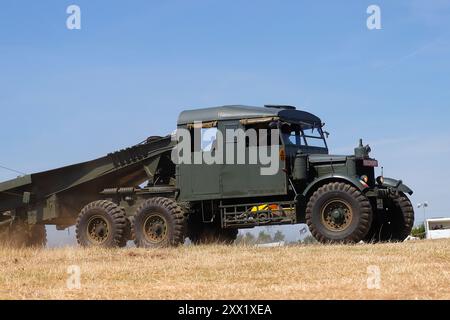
(394, 222)
(159, 222)
(338, 212)
(101, 224)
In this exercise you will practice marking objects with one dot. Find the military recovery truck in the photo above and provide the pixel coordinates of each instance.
(142, 194)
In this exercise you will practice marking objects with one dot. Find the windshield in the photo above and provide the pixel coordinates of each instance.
(301, 136)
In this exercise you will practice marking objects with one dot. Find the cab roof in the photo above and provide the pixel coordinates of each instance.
(238, 112)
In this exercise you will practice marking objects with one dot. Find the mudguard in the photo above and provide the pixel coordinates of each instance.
(336, 177)
(397, 184)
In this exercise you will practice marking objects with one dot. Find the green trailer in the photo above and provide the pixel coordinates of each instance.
(56, 197)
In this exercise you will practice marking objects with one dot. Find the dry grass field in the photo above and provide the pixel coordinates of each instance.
(412, 270)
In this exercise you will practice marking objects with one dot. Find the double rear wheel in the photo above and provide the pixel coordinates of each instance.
(158, 222)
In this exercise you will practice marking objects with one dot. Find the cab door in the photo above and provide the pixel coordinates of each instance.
(205, 180)
(199, 180)
(246, 179)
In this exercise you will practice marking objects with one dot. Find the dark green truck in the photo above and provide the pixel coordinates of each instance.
(146, 194)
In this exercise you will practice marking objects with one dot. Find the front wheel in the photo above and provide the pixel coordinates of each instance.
(338, 213)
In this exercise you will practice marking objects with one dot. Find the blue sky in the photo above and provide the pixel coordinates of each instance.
(72, 95)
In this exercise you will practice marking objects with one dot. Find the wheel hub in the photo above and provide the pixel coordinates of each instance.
(155, 228)
(336, 215)
(97, 230)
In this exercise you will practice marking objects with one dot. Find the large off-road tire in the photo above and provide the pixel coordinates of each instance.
(159, 222)
(209, 234)
(101, 224)
(338, 213)
(19, 234)
(394, 222)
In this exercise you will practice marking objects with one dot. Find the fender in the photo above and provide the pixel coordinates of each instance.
(396, 184)
(335, 177)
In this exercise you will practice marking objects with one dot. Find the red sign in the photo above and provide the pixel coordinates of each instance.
(370, 163)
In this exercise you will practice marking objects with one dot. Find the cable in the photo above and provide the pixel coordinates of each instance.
(12, 170)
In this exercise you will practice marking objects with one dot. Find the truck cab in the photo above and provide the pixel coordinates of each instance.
(235, 192)
(236, 175)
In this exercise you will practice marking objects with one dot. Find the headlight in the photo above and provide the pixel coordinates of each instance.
(380, 180)
(365, 178)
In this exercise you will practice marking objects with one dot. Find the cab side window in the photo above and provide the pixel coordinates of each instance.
(208, 139)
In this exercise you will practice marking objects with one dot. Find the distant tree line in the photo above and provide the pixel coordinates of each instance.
(263, 237)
